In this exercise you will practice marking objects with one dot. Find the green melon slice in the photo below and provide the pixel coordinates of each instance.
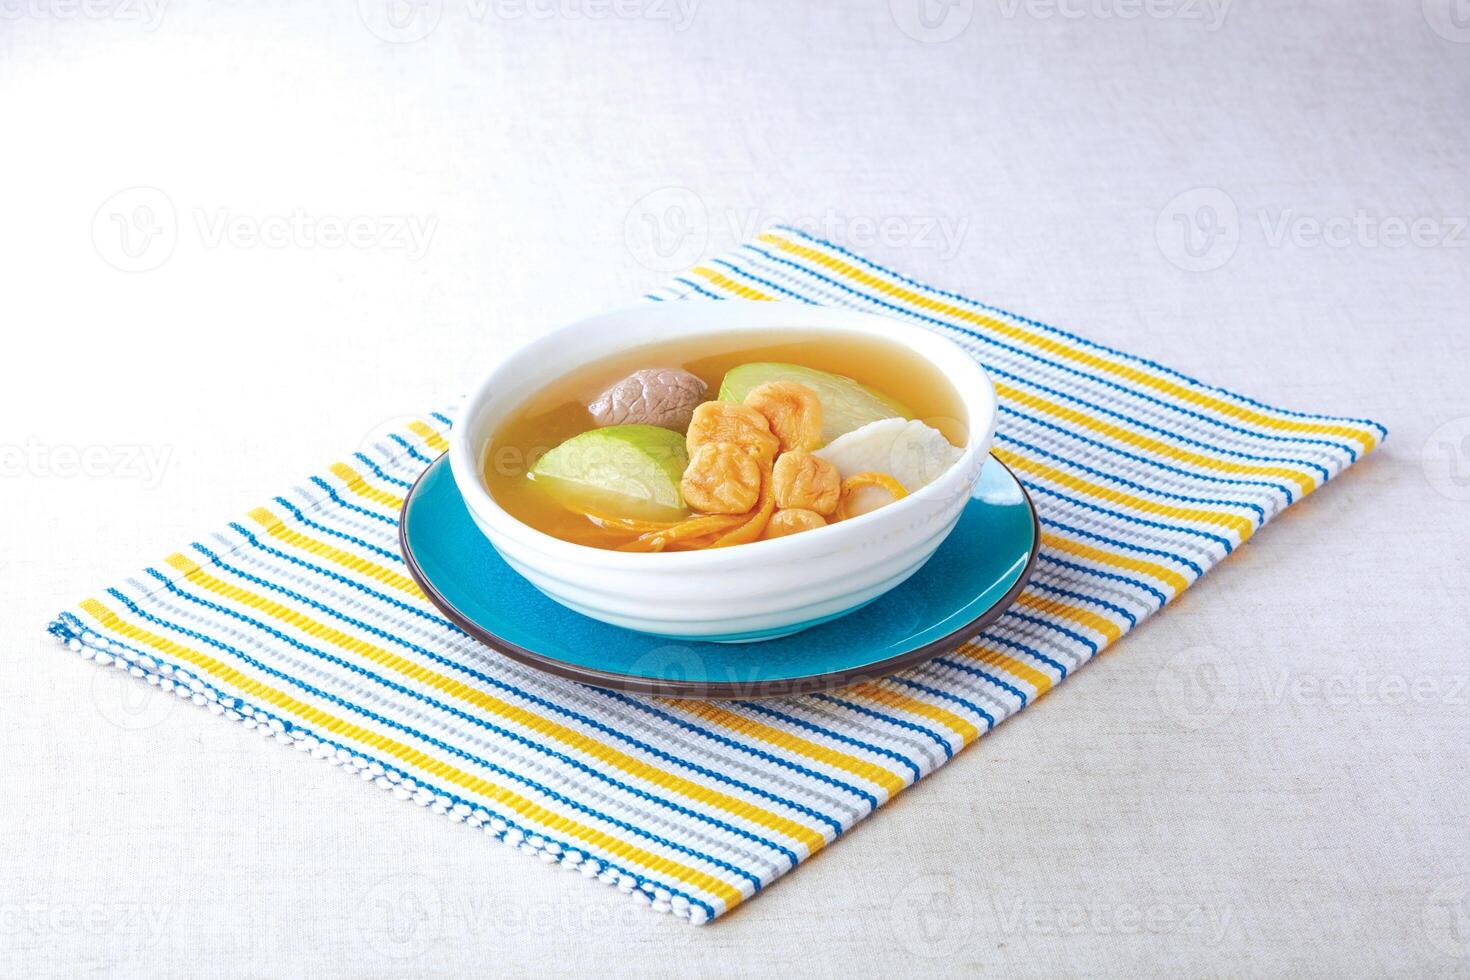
(621, 470)
(846, 404)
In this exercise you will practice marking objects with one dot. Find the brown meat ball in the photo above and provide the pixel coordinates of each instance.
(654, 396)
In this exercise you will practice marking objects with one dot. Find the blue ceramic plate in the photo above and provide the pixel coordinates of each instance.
(973, 577)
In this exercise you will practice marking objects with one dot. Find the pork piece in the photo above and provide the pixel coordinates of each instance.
(665, 397)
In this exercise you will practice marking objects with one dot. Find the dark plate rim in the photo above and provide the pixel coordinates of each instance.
(719, 690)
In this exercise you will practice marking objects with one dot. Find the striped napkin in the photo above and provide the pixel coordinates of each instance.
(300, 622)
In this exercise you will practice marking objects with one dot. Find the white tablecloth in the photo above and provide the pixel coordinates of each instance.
(237, 238)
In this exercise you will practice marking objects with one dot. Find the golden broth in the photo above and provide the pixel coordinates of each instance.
(559, 411)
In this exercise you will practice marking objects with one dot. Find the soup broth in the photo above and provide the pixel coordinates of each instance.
(559, 411)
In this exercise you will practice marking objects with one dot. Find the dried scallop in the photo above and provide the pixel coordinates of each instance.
(725, 422)
(793, 521)
(793, 412)
(722, 478)
(806, 482)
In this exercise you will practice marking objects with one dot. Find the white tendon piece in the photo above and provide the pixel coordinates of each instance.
(911, 452)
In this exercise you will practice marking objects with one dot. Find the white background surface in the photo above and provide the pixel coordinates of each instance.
(1270, 778)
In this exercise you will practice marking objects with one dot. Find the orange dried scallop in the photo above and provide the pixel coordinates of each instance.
(860, 481)
(793, 521)
(793, 412)
(722, 478)
(806, 482)
(715, 422)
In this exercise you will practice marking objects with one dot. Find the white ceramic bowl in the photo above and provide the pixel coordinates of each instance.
(753, 591)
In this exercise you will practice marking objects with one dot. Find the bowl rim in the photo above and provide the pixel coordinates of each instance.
(976, 392)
